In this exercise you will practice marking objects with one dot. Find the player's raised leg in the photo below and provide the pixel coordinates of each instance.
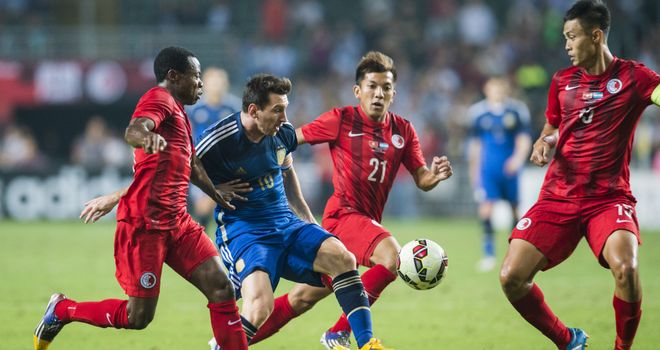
(521, 263)
(106, 313)
(139, 277)
(620, 253)
(375, 280)
(334, 260)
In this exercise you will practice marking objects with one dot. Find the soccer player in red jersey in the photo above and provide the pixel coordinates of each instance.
(593, 109)
(368, 144)
(153, 226)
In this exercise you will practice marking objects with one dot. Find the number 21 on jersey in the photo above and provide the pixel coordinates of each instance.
(379, 167)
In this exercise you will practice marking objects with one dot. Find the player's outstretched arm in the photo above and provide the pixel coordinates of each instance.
(139, 135)
(199, 178)
(300, 136)
(294, 193)
(426, 179)
(100, 206)
(545, 143)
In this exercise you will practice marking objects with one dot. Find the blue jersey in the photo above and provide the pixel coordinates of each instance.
(227, 154)
(203, 115)
(497, 130)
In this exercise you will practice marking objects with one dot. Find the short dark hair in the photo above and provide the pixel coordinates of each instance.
(374, 62)
(260, 86)
(171, 58)
(591, 14)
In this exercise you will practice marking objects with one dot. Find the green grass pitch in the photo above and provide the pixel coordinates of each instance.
(466, 311)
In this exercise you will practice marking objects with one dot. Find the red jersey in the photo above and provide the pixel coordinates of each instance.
(596, 116)
(158, 192)
(366, 156)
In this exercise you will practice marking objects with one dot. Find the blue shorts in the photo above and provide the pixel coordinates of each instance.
(498, 186)
(285, 249)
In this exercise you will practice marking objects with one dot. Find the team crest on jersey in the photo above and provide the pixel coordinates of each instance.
(524, 224)
(509, 120)
(378, 147)
(281, 153)
(148, 280)
(398, 141)
(614, 86)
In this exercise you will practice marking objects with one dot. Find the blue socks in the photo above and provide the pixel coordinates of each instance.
(354, 302)
(249, 328)
(489, 240)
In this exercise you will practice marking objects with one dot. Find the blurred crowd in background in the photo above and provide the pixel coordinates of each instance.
(444, 51)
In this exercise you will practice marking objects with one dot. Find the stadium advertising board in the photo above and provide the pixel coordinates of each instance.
(57, 195)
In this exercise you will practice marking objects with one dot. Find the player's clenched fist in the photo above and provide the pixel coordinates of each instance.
(441, 167)
(541, 150)
(153, 143)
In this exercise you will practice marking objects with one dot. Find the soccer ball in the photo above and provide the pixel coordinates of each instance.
(422, 264)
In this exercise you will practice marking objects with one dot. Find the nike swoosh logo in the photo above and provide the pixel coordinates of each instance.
(231, 323)
(618, 221)
(568, 87)
(107, 317)
(351, 134)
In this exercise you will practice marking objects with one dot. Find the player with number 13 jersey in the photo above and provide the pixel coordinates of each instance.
(593, 109)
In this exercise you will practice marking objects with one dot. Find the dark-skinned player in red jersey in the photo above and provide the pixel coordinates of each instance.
(593, 109)
(368, 144)
(153, 226)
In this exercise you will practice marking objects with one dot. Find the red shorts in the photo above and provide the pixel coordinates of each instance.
(140, 254)
(555, 226)
(359, 233)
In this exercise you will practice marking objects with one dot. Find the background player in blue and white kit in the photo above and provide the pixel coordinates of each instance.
(216, 103)
(263, 240)
(499, 144)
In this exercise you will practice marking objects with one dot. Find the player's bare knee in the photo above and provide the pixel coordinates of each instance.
(510, 281)
(223, 292)
(625, 272)
(301, 302)
(345, 261)
(258, 311)
(389, 263)
(139, 318)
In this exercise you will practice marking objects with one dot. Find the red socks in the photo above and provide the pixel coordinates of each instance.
(105, 313)
(627, 317)
(533, 308)
(374, 280)
(282, 314)
(227, 326)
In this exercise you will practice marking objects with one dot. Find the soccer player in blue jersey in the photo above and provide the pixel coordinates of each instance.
(272, 232)
(499, 144)
(216, 103)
